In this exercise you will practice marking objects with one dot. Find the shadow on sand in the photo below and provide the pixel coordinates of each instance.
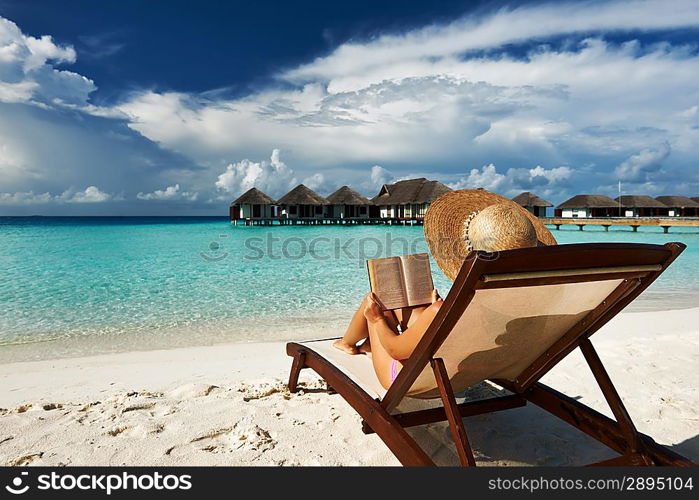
(520, 436)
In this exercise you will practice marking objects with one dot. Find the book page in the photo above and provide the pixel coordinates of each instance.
(386, 279)
(418, 279)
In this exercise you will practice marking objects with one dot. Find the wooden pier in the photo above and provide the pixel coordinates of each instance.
(323, 221)
(633, 222)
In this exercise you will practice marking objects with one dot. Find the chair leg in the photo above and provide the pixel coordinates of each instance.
(615, 403)
(456, 423)
(296, 366)
(599, 427)
(401, 444)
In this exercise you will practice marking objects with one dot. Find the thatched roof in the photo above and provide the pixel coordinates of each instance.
(639, 201)
(695, 198)
(347, 196)
(528, 199)
(589, 201)
(254, 196)
(678, 201)
(301, 195)
(410, 191)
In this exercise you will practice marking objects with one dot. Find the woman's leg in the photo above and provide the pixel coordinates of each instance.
(357, 331)
(418, 323)
(380, 358)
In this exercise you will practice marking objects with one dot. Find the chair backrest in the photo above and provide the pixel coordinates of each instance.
(514, 315)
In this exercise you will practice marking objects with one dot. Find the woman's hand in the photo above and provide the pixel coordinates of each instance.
(372, 311)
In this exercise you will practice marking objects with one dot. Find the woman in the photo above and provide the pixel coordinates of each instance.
(456, 224)
(381, 332)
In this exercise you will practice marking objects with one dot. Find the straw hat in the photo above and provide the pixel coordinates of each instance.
(467, 220)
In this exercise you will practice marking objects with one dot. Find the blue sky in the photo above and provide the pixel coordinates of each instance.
(177, 107)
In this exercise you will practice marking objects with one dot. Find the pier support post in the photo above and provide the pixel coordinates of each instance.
(581, 226)
(606, 227)
(665, 229)
(635, 229)
(558, 227)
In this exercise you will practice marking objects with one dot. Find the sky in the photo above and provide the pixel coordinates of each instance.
(178, 107)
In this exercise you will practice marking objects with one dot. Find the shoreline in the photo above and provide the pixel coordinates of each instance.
(227, 405)
(224, 332)
(203, 334)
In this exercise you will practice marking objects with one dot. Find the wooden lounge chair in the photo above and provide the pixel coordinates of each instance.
(508, 319)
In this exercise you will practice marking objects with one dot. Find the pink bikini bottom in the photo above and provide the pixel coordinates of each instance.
(394, 370)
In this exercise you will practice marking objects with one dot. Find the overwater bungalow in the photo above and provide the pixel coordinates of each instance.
(301, 203)
(633, 205)
(253, 205)
(407, 199)
(588, 205)
(346, 203)
(680, 206)
(532, 203)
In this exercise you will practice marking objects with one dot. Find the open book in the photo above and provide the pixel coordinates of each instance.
(403, 281)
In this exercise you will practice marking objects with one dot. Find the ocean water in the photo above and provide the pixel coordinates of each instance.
(78, 286)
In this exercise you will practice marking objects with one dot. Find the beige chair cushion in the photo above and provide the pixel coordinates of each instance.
(504, 330)
(357, 367)
(499, 335)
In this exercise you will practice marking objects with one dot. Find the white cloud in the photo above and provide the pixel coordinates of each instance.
(91, 194)
(486, 177)
(319, 183)
(641, 166)
(50, 150)
(414, 119)
(444, 98)
(506, 26)
(17, 92)
(272, 177)
(380, 176)
(689, 113)
(42, 50)
(554, 175)
(25, 198)
(516, 180)
(169, 193)
(27, 74)
(589, 98)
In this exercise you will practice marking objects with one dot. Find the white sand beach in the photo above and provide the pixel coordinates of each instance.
(228, 405)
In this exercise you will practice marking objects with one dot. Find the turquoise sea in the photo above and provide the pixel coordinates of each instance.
(75, 286)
